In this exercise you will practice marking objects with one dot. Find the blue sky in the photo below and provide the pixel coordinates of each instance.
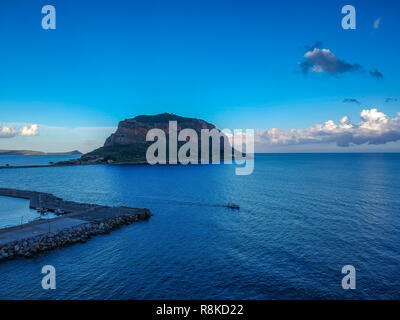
(232, 63)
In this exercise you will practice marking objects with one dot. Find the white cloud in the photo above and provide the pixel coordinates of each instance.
(323, 60)
(377, 22)
(58, 139)
(30, 130)
(9, 131)
(375, 128)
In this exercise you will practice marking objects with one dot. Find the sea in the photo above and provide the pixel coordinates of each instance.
(302, 218)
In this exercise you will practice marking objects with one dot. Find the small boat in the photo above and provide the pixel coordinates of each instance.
(59, 212)
(233, 206)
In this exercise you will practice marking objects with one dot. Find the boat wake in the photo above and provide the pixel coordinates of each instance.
(187, 203)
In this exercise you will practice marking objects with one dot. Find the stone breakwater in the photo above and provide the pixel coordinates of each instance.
(77, 224)
(78, 234)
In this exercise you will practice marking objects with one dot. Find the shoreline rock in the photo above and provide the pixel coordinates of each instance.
(32, 246)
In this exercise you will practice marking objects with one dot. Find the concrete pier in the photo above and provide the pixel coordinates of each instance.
(78, 223)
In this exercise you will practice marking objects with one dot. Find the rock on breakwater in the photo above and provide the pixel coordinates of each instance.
(78, 224)
(77, 234)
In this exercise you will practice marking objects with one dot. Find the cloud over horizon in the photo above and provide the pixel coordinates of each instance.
(30, 130)
(55, 139)
(375, 128)
(8, 131)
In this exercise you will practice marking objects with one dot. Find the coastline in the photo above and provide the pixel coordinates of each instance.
(57, 165)
(68, 165)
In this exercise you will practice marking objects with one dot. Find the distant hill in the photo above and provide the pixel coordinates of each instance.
(36, 153)
(128, 143)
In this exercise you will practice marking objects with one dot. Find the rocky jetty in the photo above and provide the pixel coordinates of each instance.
(78, 234)
(47, 201)
(77, 223)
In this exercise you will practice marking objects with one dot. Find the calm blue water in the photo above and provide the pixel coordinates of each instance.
(302, 218)
(14, 212)
(33, 160)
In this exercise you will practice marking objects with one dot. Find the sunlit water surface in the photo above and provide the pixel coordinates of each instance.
(302, 218)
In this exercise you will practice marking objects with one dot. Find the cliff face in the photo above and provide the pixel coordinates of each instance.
(132, 131)
(128, 143)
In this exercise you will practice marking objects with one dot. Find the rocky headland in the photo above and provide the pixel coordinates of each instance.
(128, 144)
